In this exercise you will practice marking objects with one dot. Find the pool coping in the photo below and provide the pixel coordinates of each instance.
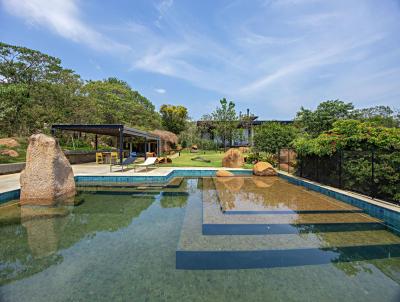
(161, 176)
(167, 174)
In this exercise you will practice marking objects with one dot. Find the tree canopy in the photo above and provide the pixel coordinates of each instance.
(272, 136)
(36, 91)
(322, 119)
(174, 118)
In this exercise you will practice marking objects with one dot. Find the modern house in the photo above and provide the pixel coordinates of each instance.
(247, 124)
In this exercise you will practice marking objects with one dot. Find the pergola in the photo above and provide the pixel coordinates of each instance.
(118, 130)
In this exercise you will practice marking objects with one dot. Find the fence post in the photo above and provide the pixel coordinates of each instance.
(340, 168)
(279, 158)
(301, 164)
(373, 188)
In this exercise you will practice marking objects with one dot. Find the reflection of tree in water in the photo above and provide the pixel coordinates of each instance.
(174, 199)
(353, 260)
(269, 192)
(352, 266)
(32, 246)
(177, 198)
(208, 190)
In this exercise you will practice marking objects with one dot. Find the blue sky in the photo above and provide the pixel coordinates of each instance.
(271, 56)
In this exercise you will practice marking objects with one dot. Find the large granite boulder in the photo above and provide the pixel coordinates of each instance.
(264, 169)
(48, 177)
(224, 173)
(233, 158)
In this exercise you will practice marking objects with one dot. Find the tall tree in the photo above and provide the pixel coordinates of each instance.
(225, 122)
(322, 119)
(174, 118)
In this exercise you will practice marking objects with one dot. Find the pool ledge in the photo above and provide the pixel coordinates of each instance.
(381, 209)
(11, 188)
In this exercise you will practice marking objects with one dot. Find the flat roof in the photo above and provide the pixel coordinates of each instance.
(106, 129)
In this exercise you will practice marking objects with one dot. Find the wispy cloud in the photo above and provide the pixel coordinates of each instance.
(273, 53)
(64, 18)
(160, 90)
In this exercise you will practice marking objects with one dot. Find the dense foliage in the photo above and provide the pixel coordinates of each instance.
(272, 136)
(353, 145)
(36, 91)
(174, 118)
(349, 135)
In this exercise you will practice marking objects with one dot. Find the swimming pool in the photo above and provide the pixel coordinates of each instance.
(205, 239)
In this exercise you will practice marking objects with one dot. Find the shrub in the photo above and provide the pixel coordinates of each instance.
(272, 136)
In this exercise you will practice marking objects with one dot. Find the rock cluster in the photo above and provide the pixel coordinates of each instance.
(9, 142)
(9, 152)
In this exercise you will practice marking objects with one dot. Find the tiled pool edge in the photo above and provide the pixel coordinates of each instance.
(14, 194)
(388, 213)
(9, 195)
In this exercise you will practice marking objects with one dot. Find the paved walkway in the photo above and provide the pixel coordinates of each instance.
(10, 182)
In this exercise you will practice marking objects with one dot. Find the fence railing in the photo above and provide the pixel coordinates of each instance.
(374, 173)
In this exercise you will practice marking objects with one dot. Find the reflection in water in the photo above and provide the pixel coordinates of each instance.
(34, 244)
(123, 246)
(43, 226)
(263, 194)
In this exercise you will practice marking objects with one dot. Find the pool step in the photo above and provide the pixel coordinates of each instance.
(175, 182)
(199, 251)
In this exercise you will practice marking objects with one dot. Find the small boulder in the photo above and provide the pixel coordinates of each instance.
(264, 169)
(48, 177)
(224, 173)
(9, 142)
(233, 158)
(9, 152)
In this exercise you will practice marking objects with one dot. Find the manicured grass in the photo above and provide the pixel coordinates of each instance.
(5, 159)
(185, 160)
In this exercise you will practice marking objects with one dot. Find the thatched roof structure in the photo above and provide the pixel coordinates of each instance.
(166, 136)
(168, 139)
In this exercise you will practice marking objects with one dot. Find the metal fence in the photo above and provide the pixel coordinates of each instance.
(374, 173)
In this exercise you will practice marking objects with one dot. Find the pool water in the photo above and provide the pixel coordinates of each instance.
(233, 239)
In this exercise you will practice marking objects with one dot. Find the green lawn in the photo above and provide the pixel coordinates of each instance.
(4, 159)
(185, 160)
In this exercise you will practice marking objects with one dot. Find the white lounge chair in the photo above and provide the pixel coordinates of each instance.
(150, 161)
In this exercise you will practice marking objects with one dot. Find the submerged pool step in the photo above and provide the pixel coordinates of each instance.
(198, 251)
(222, 260)
(175, 182)
(277, 212)
(274, 229)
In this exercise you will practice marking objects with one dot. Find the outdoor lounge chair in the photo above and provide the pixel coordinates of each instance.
(150, 161)
(128, 161)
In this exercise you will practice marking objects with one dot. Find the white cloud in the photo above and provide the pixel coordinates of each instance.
(277, 55)
(160, 90)
(62, 17)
